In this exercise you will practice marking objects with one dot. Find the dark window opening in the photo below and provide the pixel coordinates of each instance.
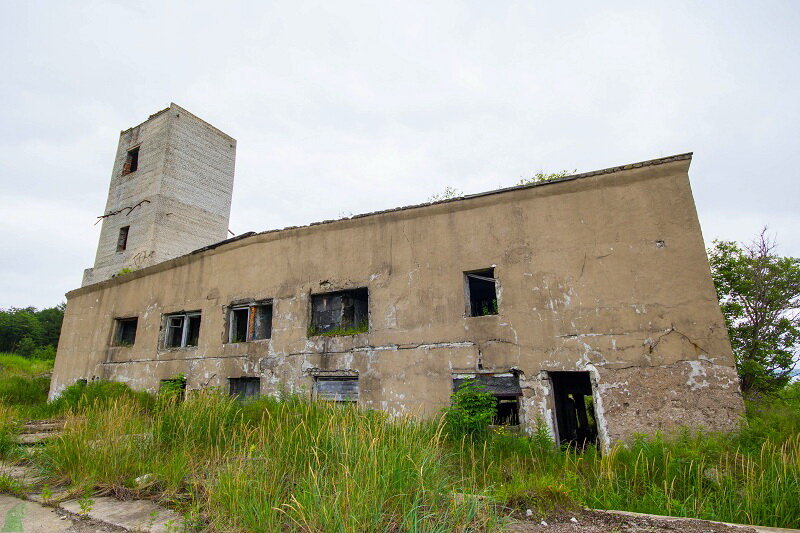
(122, 240)
(250, 322)
(245, 388)
(182, 329)
(340, 313)
(507, 411)
(575, 415)
(125, 334)
(131, 161)
(506, 390)
(481, 292)
(239, 324)
(336, 388)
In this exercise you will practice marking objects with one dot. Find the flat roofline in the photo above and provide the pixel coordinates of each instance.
(173, 105)
(250, 234)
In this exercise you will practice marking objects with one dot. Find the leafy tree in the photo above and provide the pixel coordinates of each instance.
(471, 411)
(759, 293)
(51, 319)
(27, 330)
(17, 324)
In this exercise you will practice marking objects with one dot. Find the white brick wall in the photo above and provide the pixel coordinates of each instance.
(185, 174)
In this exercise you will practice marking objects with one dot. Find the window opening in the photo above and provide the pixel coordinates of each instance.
(131, 161)
(125, 333)
(245, 388)
(506, 391)
(250, 322)
(342, 389)
(340, 313)
(182, 330)
(122, 240)
(575, 414)
(481, 292)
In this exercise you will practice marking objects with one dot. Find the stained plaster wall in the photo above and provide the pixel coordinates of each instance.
(605, 272)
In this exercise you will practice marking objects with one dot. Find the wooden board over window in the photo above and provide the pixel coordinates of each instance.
(337, 389)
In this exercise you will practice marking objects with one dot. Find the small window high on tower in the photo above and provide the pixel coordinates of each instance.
(122, 240)
(132, 161)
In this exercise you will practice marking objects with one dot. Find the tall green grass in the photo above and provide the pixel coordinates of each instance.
(271, 465)
(291, 464)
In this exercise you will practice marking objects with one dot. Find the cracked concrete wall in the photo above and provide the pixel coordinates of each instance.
(606, 272)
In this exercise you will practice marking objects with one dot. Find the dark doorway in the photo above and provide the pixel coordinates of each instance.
(575, 416)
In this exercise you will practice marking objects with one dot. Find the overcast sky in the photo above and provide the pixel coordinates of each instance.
(345, 107)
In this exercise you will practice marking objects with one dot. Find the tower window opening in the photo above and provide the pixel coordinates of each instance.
(131, 161)
(122, 240)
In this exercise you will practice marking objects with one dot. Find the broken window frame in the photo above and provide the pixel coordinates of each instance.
(131, 161)
(183, 323)
(481, 307)
(120, 326)
(261, 310)
(242, 383)
(358, 323)
(122, 239)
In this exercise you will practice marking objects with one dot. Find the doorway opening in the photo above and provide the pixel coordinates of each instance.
(574, 406)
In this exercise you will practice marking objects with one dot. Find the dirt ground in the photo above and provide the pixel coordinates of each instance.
(601, 522)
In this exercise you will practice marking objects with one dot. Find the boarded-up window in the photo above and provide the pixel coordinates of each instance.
(336, 388)
(125, 331)
(245, 388)
(340, 313)
(481, 288)
(506, 390)
(250, 322)
(182, 329)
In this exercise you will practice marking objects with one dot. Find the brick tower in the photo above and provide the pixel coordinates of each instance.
(170, 193)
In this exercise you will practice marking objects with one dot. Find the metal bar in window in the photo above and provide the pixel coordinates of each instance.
(493, 280)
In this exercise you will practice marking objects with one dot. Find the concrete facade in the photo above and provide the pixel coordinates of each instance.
(176, 199)
(602, 273)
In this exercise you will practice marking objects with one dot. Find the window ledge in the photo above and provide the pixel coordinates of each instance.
(177, 349)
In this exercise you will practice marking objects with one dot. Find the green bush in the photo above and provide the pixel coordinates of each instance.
(471, 411)
(46, 353)
(26, 347)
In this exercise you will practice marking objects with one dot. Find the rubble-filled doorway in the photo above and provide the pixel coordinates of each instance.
(574, 407)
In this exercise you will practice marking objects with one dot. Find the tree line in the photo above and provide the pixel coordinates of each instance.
(30, 332)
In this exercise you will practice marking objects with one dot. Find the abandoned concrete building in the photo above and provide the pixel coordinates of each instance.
(585, 302)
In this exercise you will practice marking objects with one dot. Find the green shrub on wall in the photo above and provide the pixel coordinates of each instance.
(471, 411)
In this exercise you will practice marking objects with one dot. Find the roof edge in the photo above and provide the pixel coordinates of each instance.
(250, 234)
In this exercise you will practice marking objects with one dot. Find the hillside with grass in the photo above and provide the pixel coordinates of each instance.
(278, 464)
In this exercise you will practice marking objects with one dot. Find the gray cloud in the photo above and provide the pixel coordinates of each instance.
(352, 107)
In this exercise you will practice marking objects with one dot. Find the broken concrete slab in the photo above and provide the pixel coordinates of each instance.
(759, 529)
(137, 515)
(29, 517)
